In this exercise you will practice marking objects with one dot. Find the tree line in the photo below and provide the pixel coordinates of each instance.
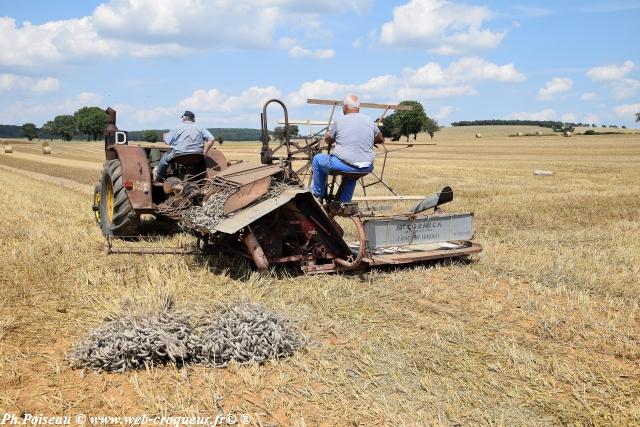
(551, 124)
(221, 134)
(87, 121)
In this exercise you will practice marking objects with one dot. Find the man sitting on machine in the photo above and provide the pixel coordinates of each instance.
(354, 135)
(186, 138)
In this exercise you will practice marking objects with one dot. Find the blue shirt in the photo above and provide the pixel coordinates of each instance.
(187, 138)
(354, 134)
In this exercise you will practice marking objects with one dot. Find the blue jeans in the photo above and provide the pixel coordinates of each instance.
(322, 166)
(164, 165)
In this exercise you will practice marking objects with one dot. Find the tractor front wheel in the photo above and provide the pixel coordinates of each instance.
(117, 217)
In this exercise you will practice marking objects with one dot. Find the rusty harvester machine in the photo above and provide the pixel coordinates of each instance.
(265, 213)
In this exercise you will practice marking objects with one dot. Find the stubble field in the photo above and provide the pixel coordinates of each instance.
(542, 328)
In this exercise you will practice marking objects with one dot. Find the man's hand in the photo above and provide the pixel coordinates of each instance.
(379, 138)
(329, 139)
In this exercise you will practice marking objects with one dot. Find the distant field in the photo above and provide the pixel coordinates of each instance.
(543, 328)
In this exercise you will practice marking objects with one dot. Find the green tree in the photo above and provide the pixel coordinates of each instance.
(49, 129)
(91, 121)
(389, 128)
(151, 136)
(430, 126)
(279, 132)
(637, 117)
(220, 139)
(29, 130)
(410, 122)
(65, 126)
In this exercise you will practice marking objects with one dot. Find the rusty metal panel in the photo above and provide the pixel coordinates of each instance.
(135, 168)
(215, 161)
(431, 229)
(257, 211)
(246, 195)
(246, 172)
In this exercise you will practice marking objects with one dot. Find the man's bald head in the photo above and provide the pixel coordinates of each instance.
(351, 104)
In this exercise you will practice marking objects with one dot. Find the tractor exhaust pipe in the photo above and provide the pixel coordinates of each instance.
(110, 135)
(435, 200)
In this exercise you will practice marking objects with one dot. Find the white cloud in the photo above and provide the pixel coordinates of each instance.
(287, 42)
(428, 82)
(591, 118)
(188, 23)
(569, 117)
(39, 112)
(547, 114)
(48, 84)
(555, 86)
(54, 41)
(627, 110)
(625, 88)
(442, 26)
(610, 72)
(298, 51)
(214, 100)
(146, 28)
(533, 11)
(435, 93)
(464, 70)
(588, 96)
(444, 112)
(11, 81)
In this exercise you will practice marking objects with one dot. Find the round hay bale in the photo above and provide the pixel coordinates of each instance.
(568, 134)
(520, 134)
(8, 148)
(478, 135)
(46, 149)
(543, 173)
(539, 133)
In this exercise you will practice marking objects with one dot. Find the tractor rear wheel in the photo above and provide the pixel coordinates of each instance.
(117, 217)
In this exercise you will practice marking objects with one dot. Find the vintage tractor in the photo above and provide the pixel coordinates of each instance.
(265, 213)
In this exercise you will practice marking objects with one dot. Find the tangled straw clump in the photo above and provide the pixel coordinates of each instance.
(205, 218)
(242, 333)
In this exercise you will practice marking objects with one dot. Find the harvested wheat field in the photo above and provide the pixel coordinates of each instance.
(542, 328)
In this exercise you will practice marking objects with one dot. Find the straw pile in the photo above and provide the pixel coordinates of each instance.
(242, 333)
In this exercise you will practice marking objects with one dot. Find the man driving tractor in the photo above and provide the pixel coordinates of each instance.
(354, 135)
(186, 138)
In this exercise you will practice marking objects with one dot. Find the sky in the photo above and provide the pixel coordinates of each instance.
(574, 61)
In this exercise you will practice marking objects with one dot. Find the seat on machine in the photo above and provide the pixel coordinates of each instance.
(188, 165)
(188, 159)
(345, 177)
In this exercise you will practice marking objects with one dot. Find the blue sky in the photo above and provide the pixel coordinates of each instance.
(464, 60)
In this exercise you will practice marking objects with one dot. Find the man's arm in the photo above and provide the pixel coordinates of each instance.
(379, 138)
(168, 137)
(209, 140)
(330, 135)
(208, 145)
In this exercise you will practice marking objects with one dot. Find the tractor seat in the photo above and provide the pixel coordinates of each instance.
(188, 159)
(188, 166)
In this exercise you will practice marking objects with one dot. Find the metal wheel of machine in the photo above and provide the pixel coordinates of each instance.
(116, 215)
